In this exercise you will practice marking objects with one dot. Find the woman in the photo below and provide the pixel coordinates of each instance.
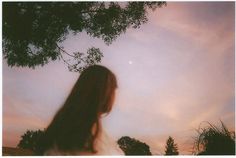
(76, 128)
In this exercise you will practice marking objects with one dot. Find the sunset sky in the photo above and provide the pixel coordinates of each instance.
(173, 73)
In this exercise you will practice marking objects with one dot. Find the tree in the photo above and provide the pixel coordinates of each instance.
(213, 140)
(31, 140)
(171, 147)
(131, 146)
(33, 31)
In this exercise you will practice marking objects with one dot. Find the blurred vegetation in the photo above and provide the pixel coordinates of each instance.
(213, 140)
(31, 140)
(171, 147)
(132, 146)
(33, 31)
(210, 140)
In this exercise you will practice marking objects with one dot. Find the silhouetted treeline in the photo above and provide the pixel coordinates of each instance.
(210, 140)
(31, 140)
(132, 146)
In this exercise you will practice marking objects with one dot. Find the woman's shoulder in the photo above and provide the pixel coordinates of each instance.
(106, 145)
(56, 152)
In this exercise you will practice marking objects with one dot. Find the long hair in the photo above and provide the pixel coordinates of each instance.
(76, 124)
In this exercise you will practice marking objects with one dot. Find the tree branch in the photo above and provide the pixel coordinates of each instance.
(62, 50)
(65, 60)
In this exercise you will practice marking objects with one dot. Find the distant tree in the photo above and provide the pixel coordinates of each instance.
(171, 147)
(33, 31)
(131, 146)
(30, 140)
(213, 140)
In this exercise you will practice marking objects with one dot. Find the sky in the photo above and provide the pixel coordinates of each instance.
(174, 72)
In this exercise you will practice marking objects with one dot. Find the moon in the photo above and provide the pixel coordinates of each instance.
(130, 62)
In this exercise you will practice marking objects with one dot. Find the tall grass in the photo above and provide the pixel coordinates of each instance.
(213, 140)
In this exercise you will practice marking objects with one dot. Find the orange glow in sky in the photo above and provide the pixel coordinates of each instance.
(173, 73)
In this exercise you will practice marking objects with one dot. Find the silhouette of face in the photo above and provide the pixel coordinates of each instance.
(112, 100)
(106, 110)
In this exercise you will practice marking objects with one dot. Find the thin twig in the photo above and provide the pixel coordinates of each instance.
(65, 60)
(64, 51)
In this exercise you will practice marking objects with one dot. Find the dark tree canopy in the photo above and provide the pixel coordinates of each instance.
(213, 140)
(131, 146)
(171, 147)
(31, 140)
(33, 31)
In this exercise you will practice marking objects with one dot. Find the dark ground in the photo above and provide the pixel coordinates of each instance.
(10, 151)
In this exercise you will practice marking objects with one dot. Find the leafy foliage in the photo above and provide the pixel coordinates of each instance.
(213, 140)
(33, 31)
(30, 140)
(131, 146)
(171, 147)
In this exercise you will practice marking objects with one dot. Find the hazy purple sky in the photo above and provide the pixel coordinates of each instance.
(173, 73)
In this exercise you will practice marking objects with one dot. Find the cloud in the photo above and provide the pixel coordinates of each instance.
(199, 76)
(182, 74)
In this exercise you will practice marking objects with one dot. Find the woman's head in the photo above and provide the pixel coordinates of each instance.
(76, 124)
(97, 84)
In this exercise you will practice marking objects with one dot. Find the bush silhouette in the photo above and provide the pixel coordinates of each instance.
(131, 146)
(31, 140)
(213, 140)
